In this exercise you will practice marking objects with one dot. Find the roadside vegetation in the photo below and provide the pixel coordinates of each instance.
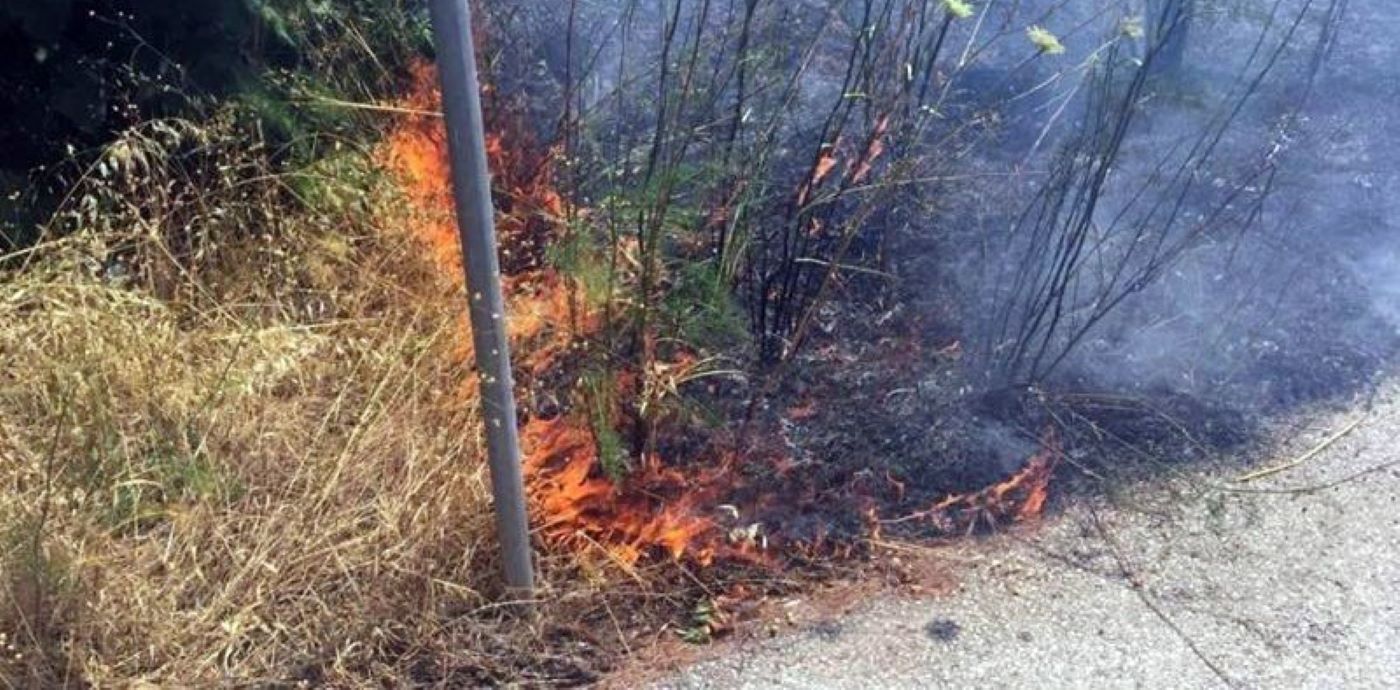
(225, 445)
(238, 427)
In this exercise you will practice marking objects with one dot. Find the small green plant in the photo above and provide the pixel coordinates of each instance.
(143, 496)
(703, 309)
(706, 621)
(600, 400)
(580, 257)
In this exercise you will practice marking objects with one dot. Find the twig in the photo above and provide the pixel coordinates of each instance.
(1328, 443)
(1316, 487)
(617, 627)
(845, 267)
(622, 564)
(372, 107)
(1089, 472)
(511, 605)
(1140, 587)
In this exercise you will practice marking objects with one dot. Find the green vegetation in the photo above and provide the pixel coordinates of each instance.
(80, 74)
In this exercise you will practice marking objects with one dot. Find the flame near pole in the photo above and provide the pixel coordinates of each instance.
(471, 189)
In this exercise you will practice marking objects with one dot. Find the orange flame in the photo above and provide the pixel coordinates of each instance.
(529, 209)
(1019, 498)
(656, 508)
(416, 150)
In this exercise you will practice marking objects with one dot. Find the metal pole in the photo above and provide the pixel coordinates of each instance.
(471, 187)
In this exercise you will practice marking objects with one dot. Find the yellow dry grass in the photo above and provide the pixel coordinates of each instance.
(250, 477)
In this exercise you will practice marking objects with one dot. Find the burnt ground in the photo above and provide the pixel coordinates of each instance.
(890, 404)
(1227, 363)
(1196, 578)
(886, 409)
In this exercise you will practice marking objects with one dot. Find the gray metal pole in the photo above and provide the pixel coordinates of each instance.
(471, 187)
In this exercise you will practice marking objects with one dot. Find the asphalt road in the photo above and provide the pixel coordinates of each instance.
(1193, 580)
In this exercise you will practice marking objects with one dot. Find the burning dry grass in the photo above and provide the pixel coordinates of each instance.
(657, 509)
(254, 459)
(1018, 498)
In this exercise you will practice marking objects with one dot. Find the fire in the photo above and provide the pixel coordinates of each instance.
(530, 208)
(656, 508)
(529, 213)
(1020, 498)
(417, 152)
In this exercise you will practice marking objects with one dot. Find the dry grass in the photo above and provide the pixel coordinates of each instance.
(230, 460)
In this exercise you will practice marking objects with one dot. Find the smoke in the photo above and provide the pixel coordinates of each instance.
(1221, 227)
(1196, 198)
